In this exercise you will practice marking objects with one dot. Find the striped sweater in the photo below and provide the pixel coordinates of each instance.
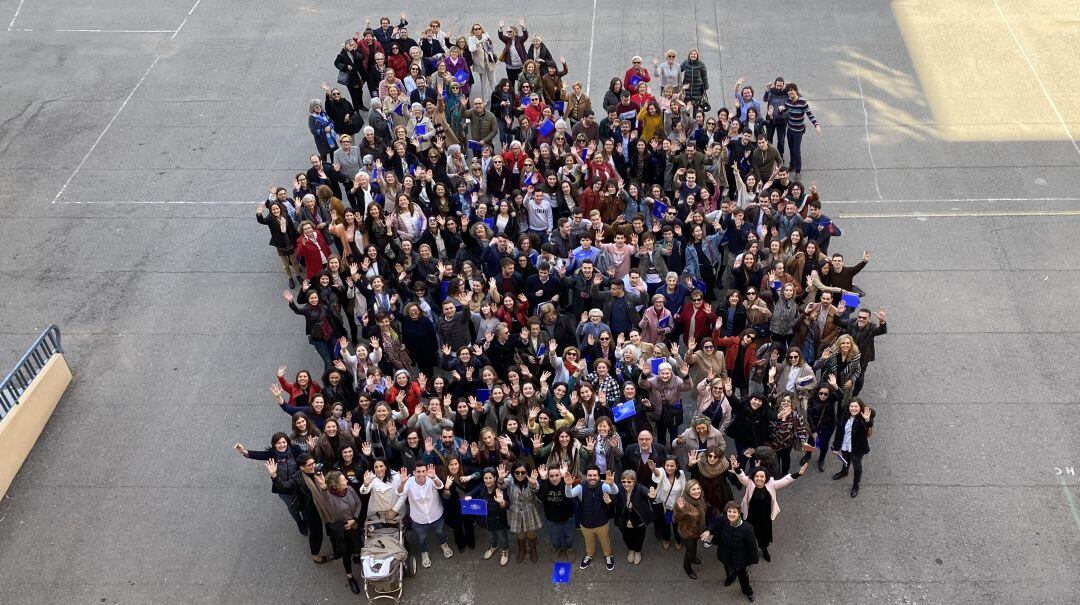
(797, 113)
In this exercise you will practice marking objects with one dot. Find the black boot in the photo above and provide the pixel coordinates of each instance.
(353, 586)
(765, 554)
(841, 474)
(821, 464)
(854, 491)
(690, 572)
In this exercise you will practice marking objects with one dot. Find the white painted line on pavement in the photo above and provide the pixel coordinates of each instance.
(592, 39)
(955, 200)
(99, 31)
(16, 16)
(866, 127)
(182, 23)
(107, 127)
(203, 202)
(971, 213)
(1045, 92)
(842, 215)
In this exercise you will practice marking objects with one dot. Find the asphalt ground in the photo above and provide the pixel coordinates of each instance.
(133, 155)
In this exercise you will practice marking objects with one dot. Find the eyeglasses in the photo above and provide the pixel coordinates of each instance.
(605, 338)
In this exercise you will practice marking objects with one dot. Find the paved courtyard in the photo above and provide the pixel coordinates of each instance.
(136, 139)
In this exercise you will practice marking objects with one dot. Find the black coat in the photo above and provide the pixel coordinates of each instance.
(736, 547)
(631, 461)
(353, 63)
(860, 441)
(282, 240)
(640, 514)
(750, 427)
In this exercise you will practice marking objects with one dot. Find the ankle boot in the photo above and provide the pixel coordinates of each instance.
(521, 550)
(532, 549)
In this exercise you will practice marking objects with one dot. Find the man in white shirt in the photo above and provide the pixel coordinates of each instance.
(421, 492)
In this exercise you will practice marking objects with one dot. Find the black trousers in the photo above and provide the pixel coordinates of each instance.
(634, 537)
(690, 552)
(855, 462)
(744, 578)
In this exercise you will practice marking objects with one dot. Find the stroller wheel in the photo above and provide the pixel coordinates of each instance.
(410, 566)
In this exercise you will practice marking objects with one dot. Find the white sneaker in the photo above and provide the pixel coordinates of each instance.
(504, 558)
(425, 560)
(446, 551)
(490, 552)
(630, 557)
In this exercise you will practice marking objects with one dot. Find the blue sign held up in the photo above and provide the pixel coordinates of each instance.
(624, 410)
(474, 507)
(655, 364)
(483, 395)
(850, 299)
(461, 76)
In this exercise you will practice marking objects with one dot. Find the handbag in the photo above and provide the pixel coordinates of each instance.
(343, 77)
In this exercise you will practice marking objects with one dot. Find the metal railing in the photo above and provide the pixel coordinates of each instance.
(35, 358)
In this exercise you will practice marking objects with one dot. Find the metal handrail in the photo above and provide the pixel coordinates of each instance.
(28, 367)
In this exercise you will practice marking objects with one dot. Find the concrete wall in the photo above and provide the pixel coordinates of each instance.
(19, 430)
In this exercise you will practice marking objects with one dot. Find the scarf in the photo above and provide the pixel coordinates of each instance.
(711, 471)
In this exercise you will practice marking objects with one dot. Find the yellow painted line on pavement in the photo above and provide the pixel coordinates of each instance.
(988, 213)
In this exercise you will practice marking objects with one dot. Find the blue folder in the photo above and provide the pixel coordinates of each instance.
(624, 410)
(475, 507)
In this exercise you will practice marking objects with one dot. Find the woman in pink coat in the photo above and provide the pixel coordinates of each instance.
(656, 322)
(759, 505)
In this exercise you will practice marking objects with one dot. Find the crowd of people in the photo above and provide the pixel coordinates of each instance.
(634, 322)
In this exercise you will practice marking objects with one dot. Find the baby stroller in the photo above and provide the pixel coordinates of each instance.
(385, 559)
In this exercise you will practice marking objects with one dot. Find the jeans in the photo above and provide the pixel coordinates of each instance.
(822, 443)
(500, 538)
(287, 499)
(778, 128)
(423, 529)
(561, 533)
(326, 352)
(859, 382)
(794, 140)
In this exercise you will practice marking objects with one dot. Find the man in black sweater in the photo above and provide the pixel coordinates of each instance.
(558, 512)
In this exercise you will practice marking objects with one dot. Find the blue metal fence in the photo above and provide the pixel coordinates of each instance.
(17, 381)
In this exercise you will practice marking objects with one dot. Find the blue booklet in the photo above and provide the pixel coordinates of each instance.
(461, 76)
(482, 395)
(560, 573)
(655, 363)
(658, 209)
(624, 410)
(850, 299)
(475, 507)
(665, 322)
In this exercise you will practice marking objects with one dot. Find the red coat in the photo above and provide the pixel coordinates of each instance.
(641, 73)
(309, 251)
(731, 351)
(412, 396)
(703, 325)
(294, 391)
